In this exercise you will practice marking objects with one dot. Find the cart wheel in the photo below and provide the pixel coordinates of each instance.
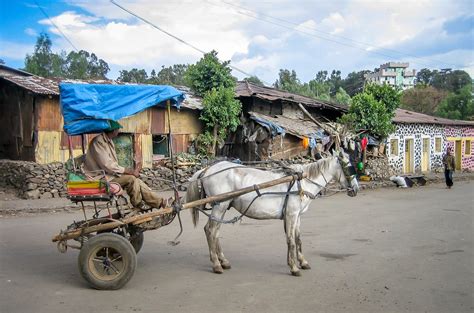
(136, 239)
(107, 261)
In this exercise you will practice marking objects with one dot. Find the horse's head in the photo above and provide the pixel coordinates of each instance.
(347, 175)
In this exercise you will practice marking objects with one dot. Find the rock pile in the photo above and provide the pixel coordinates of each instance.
(379, 168)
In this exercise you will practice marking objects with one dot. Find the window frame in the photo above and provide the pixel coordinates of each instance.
(440, 145)
(470, 147)
(389, 150)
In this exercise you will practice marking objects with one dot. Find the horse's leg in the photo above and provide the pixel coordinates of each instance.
(290, 227)
(220, 254)
(299, 247)
(212, 229)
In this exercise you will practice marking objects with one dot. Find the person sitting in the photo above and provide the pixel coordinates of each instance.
(101, 156)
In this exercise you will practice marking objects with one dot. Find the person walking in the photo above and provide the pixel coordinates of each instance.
(449, 167)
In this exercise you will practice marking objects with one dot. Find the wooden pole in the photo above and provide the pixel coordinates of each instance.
(146, 216)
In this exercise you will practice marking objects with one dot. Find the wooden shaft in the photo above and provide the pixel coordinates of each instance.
(239, 192)
(147, 216)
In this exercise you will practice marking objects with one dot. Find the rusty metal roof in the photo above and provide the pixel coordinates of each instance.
(410, 117)
(246, 89)
(35, 84)
(46, 86)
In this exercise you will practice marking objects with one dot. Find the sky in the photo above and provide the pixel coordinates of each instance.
(259, 37)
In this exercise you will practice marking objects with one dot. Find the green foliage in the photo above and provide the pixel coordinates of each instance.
(209, 73)
(458, 105)
(77, 65)
(342, 97)
(445, 79)
(171, 75)
(423, 99)
(373, 110)
(254, 80)
(137, 76)
(204, 143)
(85, 65)
(354, 82)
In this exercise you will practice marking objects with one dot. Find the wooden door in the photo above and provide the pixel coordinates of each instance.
(425, 155)
(408, 155)
(458, 154)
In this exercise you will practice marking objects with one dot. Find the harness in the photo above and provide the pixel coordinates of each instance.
(348, 170)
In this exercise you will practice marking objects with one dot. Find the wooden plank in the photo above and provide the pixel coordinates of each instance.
(49, 114)
(158, 120)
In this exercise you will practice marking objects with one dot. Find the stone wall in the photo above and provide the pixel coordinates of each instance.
(32, 180)
(35, 181)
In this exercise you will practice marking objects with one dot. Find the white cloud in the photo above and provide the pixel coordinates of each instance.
(344, 35)
(14, 51)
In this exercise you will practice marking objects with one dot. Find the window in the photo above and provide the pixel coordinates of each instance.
(438, 145)
(467, 147)
(394, 147)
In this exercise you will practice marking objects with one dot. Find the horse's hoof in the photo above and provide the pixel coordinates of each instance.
(218, 269)
(296, 273)
(305, 266)
(226, 265)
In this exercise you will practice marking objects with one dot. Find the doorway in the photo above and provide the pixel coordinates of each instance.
(425, 155)
(409, 159)
(458, 154)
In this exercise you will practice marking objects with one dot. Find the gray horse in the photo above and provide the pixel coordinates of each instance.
(284, 201)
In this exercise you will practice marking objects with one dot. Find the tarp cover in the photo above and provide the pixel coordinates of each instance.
(88, 107)
(274, 129)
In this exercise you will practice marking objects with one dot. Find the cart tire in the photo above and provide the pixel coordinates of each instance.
(107, 261)
(137, 240)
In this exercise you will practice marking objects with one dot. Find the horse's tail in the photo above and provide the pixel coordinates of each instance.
(192, 194)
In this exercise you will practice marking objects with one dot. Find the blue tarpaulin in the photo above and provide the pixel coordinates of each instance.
(88, 107)
(274, 129)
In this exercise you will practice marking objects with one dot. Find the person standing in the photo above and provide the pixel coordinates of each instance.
(449, 167)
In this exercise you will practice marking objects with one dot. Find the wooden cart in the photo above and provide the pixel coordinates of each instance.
(109, 242)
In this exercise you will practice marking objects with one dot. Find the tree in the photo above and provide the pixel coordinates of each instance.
(209, 73)
(1, 61)
(41, 61)
(373, 110)
(288, 81)
(254, 80)
(354, 82)
(458, 105)
(137, 76)
(425, 76)
(171, 75)
(212, 80)
(220, 113)
(423, 99)
(342, 97)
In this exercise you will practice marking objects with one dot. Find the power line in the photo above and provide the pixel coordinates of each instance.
(173, 36)
(366, 45)
(54, 24)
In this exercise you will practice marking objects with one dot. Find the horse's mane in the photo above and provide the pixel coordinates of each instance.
(315, 168)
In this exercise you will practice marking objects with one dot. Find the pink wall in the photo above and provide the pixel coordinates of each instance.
(463, 132)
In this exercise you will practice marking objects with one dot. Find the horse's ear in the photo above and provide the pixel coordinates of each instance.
(334, 153)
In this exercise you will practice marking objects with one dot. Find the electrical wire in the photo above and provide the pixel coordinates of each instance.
(56, 26)
(173, 36)
(364, 48)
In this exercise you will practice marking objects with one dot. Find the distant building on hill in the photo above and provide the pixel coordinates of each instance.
(394, 74)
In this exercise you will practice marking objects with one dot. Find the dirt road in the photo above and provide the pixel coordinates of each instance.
(387, 250)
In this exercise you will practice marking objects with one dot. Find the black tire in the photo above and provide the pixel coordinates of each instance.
(137, 239)
(107, 261)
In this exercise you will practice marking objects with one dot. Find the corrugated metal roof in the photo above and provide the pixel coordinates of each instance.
(246, 89)
(46, 86)
(409, 117)
(297, 127)
(35, 84)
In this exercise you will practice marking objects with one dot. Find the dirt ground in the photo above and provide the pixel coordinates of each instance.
(387, 250)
